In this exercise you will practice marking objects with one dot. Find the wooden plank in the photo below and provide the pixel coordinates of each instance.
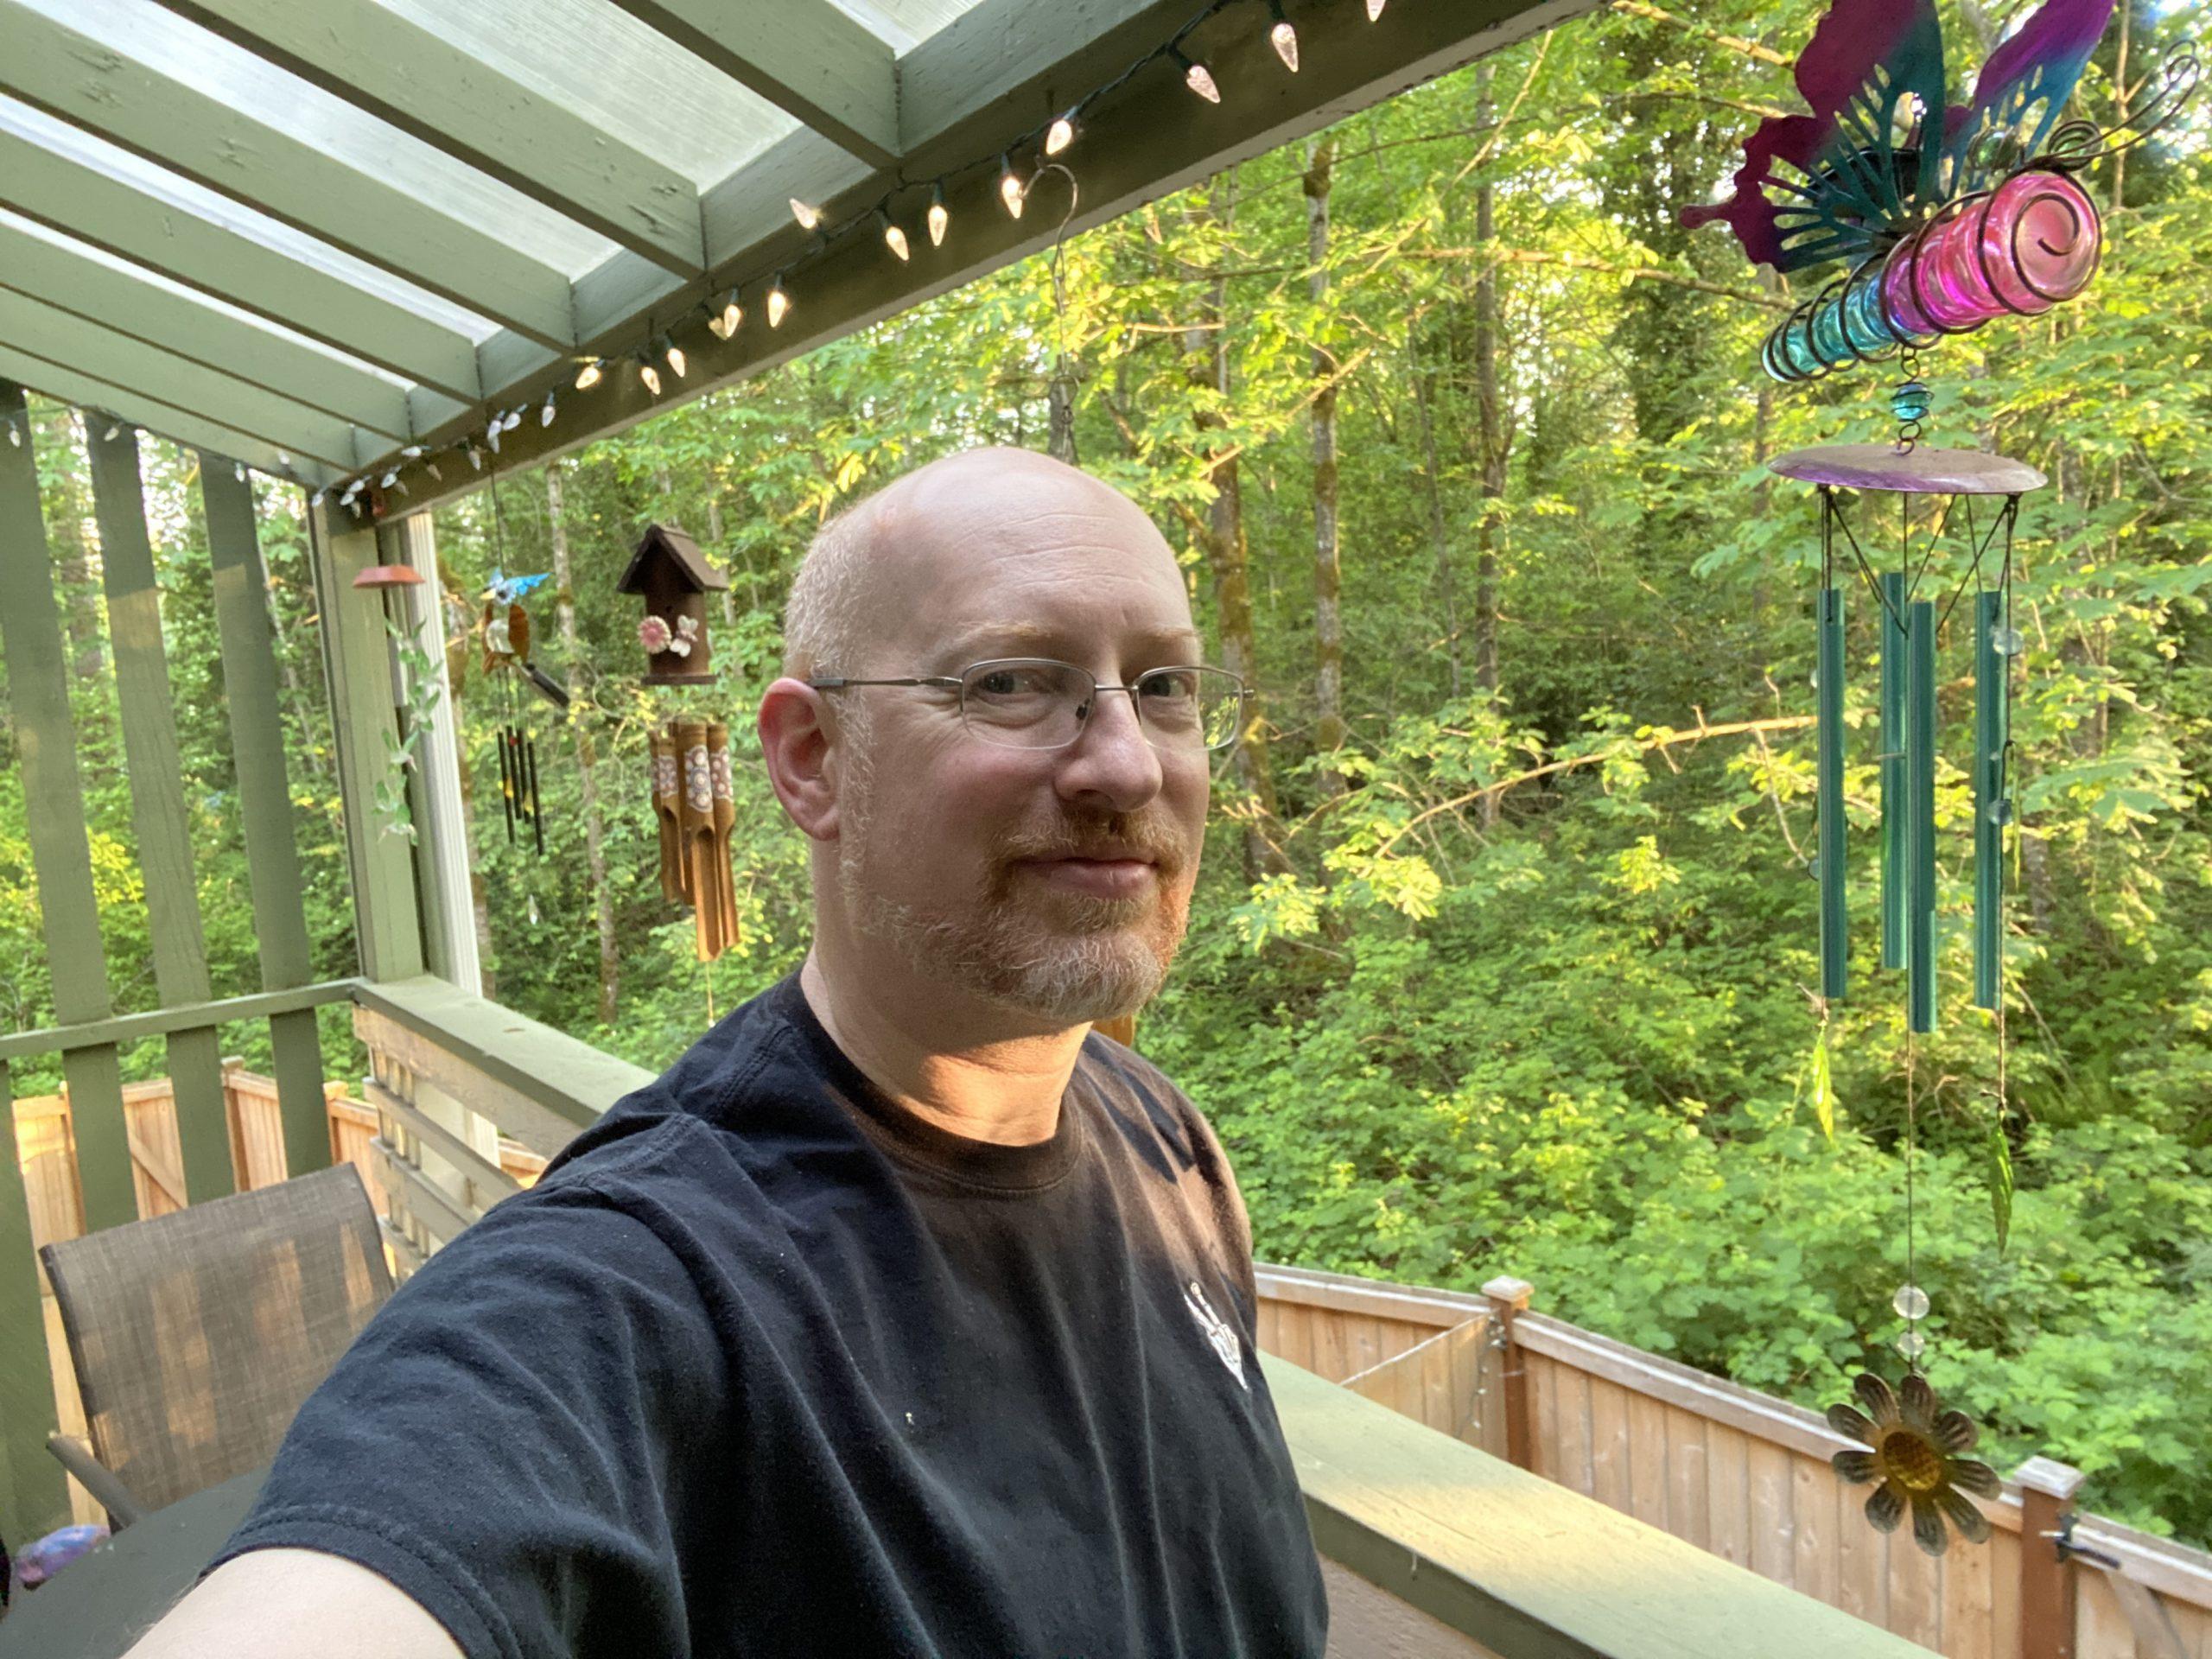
(1813, 1567)
(1544, 1390)
(32, 1500)
(31, 640)
(134, 105)
(464, 1156)
(804, 56)
(1968, 1621)
(1329, 1358)
(1362, 1334)
(1646, 1460)
(1863, 1559)
(248, 638)
(1916, 1579)
(184, 1016)
(414, 79)
(165, 861)
(2173, 1570)
(1687, 1510)
(2100, 1629)
(72, 279)
(446, 1219)
(1577, 1462)
(1527, 1567)
(69, 194)
(1728, 1493)
(69, 385)
(1610, 1478)
(31, 325)
(1367, 1622)
(1774, 1516)
(1411, 1304)
(2004, 1595)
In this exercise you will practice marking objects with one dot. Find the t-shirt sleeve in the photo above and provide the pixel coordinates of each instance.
(508, 1441)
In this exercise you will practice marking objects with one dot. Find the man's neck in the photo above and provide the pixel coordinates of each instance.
(943, 1063)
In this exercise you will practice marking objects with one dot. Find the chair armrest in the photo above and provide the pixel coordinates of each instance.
(97, 1478)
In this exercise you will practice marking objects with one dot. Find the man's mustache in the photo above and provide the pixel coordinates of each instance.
(1117, 836)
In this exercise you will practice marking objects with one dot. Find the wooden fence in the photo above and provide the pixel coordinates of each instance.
(1739, 1474)
(45, 1150)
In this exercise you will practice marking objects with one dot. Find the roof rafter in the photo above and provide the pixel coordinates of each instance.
(68, 384)
(804, 56)
(80, 80)
(122, 220)
(34, 327)
(403, 73)
(74, 282)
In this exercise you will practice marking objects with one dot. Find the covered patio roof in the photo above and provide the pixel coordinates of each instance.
(335, 242)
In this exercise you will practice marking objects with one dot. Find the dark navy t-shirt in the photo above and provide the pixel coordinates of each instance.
(765, 1364)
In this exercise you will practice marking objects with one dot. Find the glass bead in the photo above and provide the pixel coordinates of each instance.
(1911, 1302)
(1910, 402)
(2001, 811)
(2008, 642)
(1912, 1344)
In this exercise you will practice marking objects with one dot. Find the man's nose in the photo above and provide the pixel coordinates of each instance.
(1112, 758)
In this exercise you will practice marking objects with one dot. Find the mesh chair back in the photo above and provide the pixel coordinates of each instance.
(197, 1335)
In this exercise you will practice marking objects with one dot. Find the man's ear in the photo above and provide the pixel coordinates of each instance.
(795, 740)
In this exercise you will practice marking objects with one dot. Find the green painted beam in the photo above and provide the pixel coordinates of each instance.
(83, 202)
(76, 79)
(30, 325)
(356, 664)
(1151, 137)
(32, 1499)
(185, 1016)
(1528, 1568)
(74, 281)
(157, 811)
(421, 83)
(806, 57)
(266, 805)
(38, 689)
(69, 385)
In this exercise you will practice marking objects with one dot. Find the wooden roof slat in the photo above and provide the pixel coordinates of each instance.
(414, 79)
(80, 80)
(34, 327)
(804, 56)
(66, 385)
(123, 220)
(74, 281)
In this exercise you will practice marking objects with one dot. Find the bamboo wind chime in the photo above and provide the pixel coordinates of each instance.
(695, 805)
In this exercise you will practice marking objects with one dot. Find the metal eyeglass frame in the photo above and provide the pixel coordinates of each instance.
(958, 682)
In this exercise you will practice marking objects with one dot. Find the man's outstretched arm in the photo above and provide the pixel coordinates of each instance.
(279, 1604)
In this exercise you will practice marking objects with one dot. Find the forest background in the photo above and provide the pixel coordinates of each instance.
(1503, 957)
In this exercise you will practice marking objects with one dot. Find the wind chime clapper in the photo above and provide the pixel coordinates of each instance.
(504, 626)
(695, 808)
(1908, 625)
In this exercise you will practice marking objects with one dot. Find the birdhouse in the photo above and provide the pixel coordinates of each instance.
(673, 578)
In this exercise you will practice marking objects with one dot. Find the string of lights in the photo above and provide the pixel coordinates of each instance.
(657, 350)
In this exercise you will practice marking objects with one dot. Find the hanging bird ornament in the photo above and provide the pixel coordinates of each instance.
(1941, 217)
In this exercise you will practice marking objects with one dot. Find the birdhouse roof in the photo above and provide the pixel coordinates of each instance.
(667, 542)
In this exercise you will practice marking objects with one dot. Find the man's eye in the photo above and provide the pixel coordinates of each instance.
(1177, 687)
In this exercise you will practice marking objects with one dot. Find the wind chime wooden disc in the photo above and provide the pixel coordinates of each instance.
(1918, 471)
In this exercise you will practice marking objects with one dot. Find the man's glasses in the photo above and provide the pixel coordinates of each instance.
(1033, 703)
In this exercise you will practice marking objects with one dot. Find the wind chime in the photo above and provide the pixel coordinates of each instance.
(505, 629)
(1944, 218)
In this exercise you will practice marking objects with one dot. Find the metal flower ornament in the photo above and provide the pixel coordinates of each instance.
(1916, 1461)
(1933, 218)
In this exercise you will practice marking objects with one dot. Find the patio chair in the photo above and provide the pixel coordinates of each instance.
(196, 1335)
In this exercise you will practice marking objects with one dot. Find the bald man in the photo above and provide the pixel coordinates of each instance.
(905, 1314)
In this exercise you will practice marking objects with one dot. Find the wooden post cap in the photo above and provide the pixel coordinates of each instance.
(1515, 1292)
(2048, 1476)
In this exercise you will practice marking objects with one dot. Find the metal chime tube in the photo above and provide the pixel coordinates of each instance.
(1893, 786)
(1920, 770)
(1989, 665)
(1835, 919)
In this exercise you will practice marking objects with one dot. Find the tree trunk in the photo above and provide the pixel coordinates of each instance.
(1491, 434)
(602, 900)
(1328, 580)
(1227, 553)
(1424, 393)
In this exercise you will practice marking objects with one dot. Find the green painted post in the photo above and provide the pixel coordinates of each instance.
(265, 805)
(1894, 931)
(38, 688)
(1989, 805)
(1919, 766)
(1835, 924)
(165, 861)
(32, 1500)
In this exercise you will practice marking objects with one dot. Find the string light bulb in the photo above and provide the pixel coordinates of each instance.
(724, 324)
(415, 449)
(1283, 37)
(475, 459)
(237, 471)
(545, 414)
(649, 375)
(674, 355)
(590, 374)
(1010, 188)
(940, 217)
(114, 429)
(1375, 10)
(14, 435)
(389, 479)
(808, 215)
(893, 237)
(780, 303)
(1060, 134)
(1197, 76)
